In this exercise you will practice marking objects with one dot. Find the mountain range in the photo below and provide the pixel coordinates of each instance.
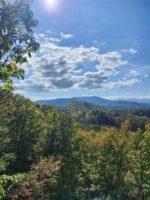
(134, 103)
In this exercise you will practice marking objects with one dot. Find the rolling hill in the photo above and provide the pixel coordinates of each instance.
(94, 100)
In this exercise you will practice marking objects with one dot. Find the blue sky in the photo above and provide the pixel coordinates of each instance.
(89, 48)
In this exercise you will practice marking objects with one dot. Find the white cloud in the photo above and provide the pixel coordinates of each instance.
(53, 37)
(66, 36)
(121, 84)
(134, 73)
(56, 67)
(131, 51)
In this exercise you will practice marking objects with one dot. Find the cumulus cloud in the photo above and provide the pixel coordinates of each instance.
(66, 36)
(57, 67)
(121, 84)
(53, 37)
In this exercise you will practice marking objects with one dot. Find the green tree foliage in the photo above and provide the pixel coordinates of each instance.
(16, 43)
(59, 135)
(7, 182)
(104, 160)
(26, 133)
(142, 163)
(16, 39)
(70, 163)
(59, 142)
(6, 109)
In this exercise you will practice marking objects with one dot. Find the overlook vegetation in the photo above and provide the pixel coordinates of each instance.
(50, 154)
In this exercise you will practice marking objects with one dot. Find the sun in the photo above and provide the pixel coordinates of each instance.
(51, 3)
(50, 6)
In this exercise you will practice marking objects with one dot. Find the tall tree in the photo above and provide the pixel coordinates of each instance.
(59, 135)
(26, 132)
(141, 166)
(17, 41)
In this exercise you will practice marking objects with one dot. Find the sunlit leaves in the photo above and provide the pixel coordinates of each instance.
(16, 39)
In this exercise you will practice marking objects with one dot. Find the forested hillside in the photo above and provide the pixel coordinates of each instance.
(50, 154)
(96, 117)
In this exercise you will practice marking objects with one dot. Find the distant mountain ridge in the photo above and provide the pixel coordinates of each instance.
(94, 100)
(139, 100)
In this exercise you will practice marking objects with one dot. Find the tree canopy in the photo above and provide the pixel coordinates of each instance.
(17, 40)
(48, 155)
